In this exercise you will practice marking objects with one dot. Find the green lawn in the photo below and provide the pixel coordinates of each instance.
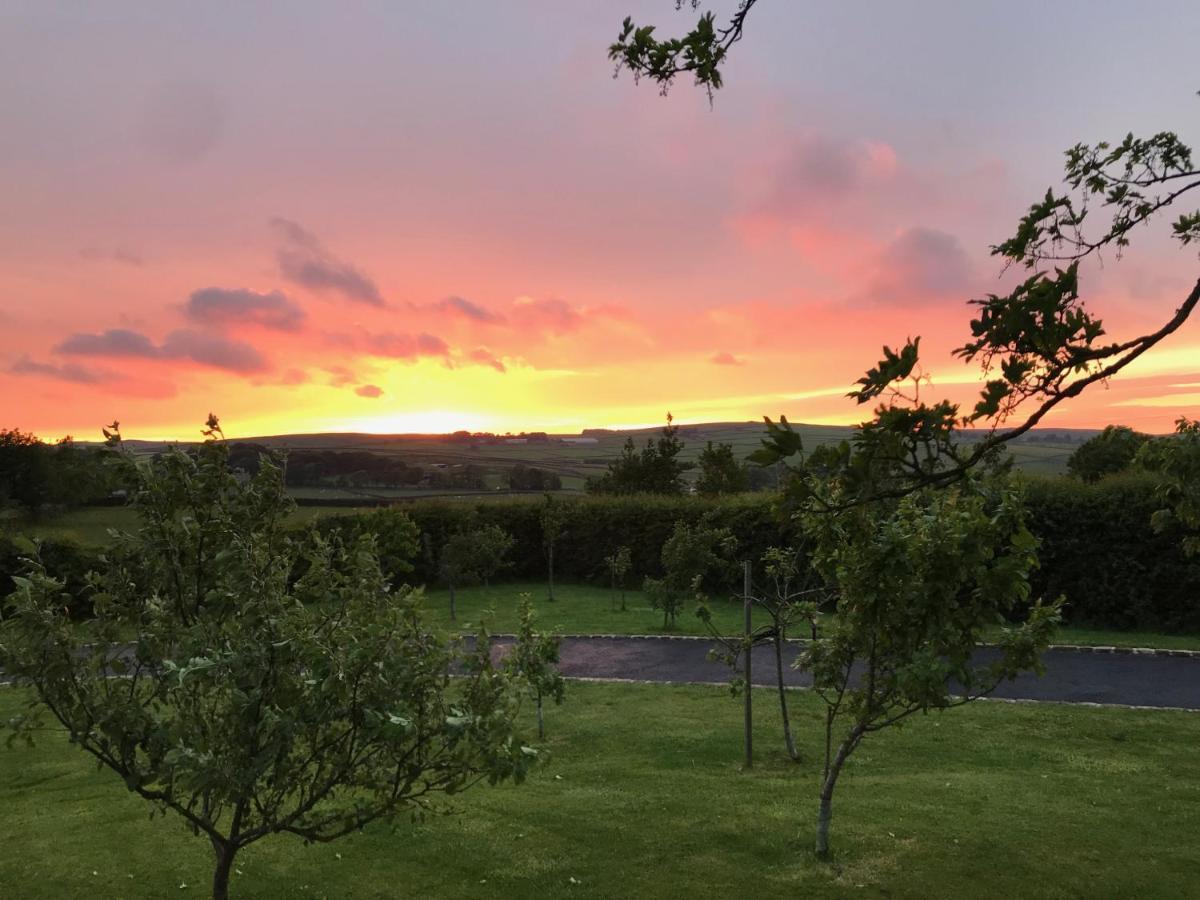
(578, 609)
(582, 609)
(644, 798)
(90, 525)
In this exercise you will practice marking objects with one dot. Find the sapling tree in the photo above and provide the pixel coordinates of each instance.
(534, 660)
(619, 563)
(918, 580)
(690, 554)
(492, 546)
(472, 556)
(248, 704)
(792, 594)
(553, 519)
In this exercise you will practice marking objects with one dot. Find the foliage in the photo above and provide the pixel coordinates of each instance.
(700, 52)
(397, 540)
(918, 579)
(690, 553)
(1113, 450)
(619, 562)
(553, 522)
(472, 556)
(655, 470)
(530, 478)
(790, 592)
(34, 474)
(250, 705)
(1177, 460)
(720, 471)
(534, 660)
(1098, 551)
(1095, 545)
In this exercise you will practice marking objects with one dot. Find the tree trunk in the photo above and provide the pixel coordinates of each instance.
(788, 740)
(551, 573)
(224, 865)
(622, 598)
(612, 593)
(541, 721)
(825, 811)
(453, 608)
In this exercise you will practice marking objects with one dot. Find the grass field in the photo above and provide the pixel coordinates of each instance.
(90, 525)
(644, 797)
(583, 609)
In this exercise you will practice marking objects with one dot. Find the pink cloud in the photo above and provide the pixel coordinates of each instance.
(724, 358)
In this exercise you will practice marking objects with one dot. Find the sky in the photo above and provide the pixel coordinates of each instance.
(428, 216)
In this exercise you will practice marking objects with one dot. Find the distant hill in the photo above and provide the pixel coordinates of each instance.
(1042, 450)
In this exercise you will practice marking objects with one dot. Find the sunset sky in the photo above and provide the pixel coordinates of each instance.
(427, 216)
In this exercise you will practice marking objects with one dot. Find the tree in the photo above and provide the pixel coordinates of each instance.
(471, 556)
(720, 471)
(24, 469)
(619, 563)
(397, 540)
(250, 705)
(656, 469)
(918, 579)
(688, 555)
(1177, 460)
(553, 519)
(882, 496)
(1112, 450)
(492, 546)
(700, 52)
(530, 478)
(792, 592)
(534, 660)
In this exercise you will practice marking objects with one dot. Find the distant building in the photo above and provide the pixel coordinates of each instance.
(580, 440)
(516, 440)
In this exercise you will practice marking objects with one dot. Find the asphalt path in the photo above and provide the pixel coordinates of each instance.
(1167, 680)
(1071, 676)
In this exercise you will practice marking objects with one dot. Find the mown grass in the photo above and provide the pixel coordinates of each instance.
(90, 525)
(584, 609)
(644, 797)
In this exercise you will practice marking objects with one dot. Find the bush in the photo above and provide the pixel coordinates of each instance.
(1099, 550)
(65, 560)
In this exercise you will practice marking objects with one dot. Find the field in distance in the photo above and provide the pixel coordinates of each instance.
(575, 458)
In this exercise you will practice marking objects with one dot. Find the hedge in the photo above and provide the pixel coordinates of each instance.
(1097, 547)
(1099, 551)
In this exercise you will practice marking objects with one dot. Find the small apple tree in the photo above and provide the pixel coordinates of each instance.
(250, 704)
(534, 660)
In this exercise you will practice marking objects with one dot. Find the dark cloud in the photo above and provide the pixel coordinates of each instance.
(213, 350)
(724, 358)
(405, 346)
(920, 266)
(485, 357)
(114, 342)
(67, 372)
(237, 306)
(464, 307)
(369, 390)
(206, 349)
(304, 260)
